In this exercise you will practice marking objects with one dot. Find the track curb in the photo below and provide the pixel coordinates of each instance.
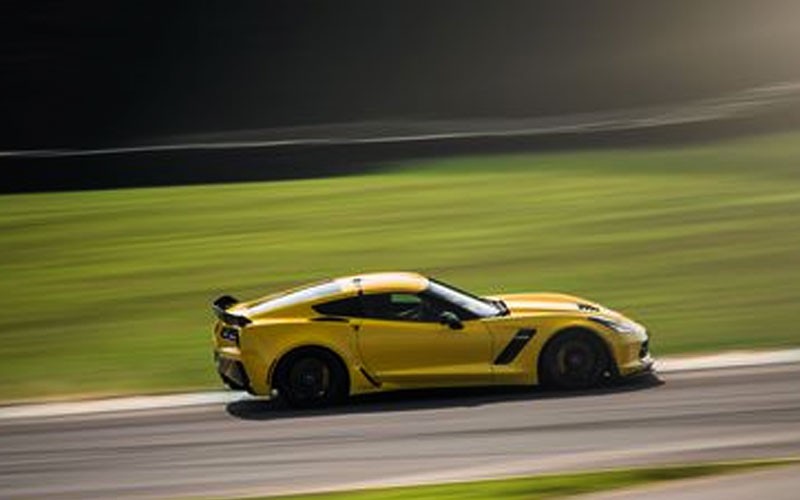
(733, 359)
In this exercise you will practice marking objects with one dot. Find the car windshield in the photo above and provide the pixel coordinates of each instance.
(296, 296)
(476, 305)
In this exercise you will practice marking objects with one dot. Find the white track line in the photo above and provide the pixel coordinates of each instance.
(137, 403)
(59, 409)
(727, 360)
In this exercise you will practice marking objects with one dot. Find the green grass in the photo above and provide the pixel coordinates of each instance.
(552, 486)
(108, 291)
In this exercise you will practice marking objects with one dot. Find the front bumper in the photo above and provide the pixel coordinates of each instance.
(630, 349)
(645, 366)
(635, 358)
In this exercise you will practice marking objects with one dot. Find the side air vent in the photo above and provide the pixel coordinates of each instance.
(588, 307)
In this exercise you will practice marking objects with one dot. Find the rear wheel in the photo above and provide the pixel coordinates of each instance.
(311, 378)
(574, 360)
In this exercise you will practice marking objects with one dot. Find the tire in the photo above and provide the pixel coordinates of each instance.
(574, 360)
(311, 378)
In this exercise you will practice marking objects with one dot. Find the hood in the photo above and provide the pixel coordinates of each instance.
(539, 302)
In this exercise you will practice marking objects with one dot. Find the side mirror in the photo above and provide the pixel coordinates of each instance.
(451, 319)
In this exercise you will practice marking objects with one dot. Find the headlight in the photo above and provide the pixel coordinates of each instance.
(617, 326)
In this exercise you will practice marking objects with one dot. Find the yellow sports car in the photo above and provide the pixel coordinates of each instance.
(316, 344)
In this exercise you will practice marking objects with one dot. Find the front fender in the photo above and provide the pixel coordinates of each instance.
(523, 369)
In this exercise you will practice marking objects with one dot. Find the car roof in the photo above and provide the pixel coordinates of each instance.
(384, 282)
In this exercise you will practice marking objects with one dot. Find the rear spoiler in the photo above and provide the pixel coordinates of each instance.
(220, 308)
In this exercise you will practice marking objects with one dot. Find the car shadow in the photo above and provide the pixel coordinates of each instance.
(418, 399)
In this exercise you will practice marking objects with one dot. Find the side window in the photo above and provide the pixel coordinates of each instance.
(392, 306)
(400, 307)
(350, 307)
(440, 305)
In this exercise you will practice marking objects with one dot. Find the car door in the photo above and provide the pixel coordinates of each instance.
(401, 341)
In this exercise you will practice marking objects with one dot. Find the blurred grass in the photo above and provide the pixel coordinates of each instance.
(108, 291)
(547, 486)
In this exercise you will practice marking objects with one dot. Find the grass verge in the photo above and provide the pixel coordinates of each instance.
(108, 291)
(549, 486)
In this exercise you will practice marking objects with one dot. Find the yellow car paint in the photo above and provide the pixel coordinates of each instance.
(389, 353)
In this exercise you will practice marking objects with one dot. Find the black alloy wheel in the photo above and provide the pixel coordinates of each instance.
(310, 380)
(575, 360)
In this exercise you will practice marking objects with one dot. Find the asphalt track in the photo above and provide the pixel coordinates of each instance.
(252, 447)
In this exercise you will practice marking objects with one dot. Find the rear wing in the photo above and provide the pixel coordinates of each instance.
(220, 307)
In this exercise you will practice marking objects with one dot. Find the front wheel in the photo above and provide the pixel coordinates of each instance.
(311, 379)
(574, 360)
